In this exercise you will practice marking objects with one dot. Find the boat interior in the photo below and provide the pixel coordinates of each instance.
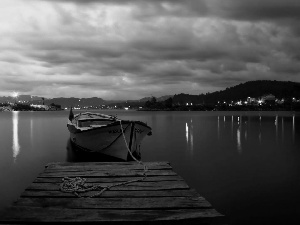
(93, 122)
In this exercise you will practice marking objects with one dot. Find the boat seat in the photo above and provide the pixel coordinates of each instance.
(97, 125)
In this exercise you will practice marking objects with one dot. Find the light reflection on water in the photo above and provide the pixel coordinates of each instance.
(31, 130)
(282, 128)
(218, 127)
(189, 135)
(241, 126)
(16, 144)
(238, 137)
(293, 129)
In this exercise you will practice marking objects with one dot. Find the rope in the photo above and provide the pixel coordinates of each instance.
(135, 159)
(78, 185)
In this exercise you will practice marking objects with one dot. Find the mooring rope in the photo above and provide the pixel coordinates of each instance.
(78, 184)
(128, 149)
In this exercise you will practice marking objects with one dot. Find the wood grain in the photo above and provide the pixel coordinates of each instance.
(162, 197)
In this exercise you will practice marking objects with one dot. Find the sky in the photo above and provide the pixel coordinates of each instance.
(130, 49)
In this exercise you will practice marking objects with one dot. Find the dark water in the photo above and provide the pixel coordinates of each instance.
(247, 164)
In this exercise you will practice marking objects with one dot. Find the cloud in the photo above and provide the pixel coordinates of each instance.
(255, 9)
(132, 49)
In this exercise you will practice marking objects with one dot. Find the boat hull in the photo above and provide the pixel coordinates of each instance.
(113, 140)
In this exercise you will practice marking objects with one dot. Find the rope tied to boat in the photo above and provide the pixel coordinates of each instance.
(129, 151)
(78, 184)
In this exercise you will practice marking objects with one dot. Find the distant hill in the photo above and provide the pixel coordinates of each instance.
(21, 98)
(253, 89)
(76, 102)
(6, 99)
(160, 99)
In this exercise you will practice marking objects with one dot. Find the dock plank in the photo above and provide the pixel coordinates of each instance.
(110, 179)
(20, 214)
(106, 166)
(136, 186)
(111, 194)
(162, 197)
(108, 173)
(117, 203)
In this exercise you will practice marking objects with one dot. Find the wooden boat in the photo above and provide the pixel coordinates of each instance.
(96, 132)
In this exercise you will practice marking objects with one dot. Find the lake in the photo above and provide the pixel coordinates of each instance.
(247, 164)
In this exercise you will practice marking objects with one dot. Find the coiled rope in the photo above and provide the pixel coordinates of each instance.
(78, 184)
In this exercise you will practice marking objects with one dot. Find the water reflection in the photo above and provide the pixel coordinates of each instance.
(238, 138)
(282, 129)
(31, 129)
(16, 145)
(244, 128)
(259, 134)
(187, 132)
(293, 129)
(231, 126)
(189, 135)
(75, 154)
(218, 128)
(276, 128)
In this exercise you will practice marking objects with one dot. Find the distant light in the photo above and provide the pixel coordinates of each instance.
(15, 94)
(126, 108)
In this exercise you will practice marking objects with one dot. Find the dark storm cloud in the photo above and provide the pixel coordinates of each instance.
(235, 9)
(152, 8)
(257, 9)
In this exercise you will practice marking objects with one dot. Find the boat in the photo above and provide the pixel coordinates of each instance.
(106, 134)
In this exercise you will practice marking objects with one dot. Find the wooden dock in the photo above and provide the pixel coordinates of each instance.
(162, 197)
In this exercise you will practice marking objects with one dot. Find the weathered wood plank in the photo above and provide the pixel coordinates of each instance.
(136, 186)
(117, 203)
(75, 167)
(110, 179)
(60, 215)
(112, 194)
(108, 173)
(84, 169)
(127, 163)
(108, 165)
(104, 168)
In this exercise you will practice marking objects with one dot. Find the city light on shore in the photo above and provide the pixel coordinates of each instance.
(15, 94)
